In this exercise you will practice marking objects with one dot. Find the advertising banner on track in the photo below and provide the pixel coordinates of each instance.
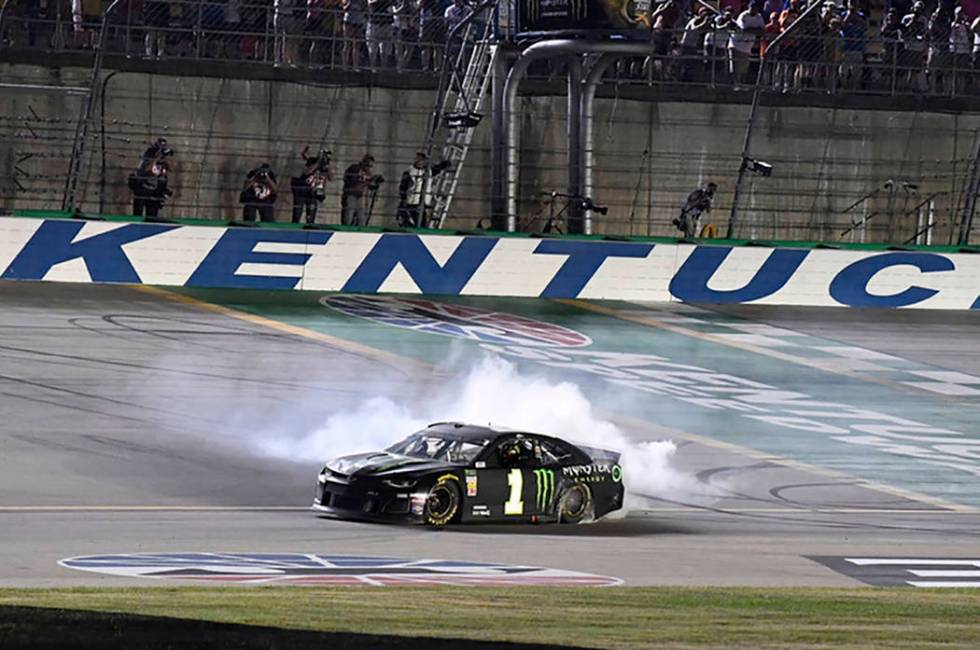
(368, 263)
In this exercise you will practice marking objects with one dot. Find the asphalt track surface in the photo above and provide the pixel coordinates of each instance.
(129, 421)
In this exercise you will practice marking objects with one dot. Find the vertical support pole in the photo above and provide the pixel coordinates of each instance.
(576, 217)
(498, 143)
(69, 204)
(587, 131)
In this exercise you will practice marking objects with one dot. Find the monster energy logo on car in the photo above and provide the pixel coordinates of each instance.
(545, 479)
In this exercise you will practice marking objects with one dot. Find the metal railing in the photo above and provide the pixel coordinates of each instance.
(821, 59)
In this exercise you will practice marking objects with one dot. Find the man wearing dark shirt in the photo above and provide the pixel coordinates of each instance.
(359, 179)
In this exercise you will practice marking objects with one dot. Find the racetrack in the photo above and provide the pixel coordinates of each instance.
(135, 422)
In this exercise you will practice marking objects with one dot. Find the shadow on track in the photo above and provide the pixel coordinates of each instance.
(39, 627)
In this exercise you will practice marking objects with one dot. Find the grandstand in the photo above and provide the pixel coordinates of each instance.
(868, 138)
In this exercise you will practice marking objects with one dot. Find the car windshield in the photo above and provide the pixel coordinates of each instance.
(451, 450)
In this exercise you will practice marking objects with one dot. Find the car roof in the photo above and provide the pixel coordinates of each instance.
(463, 431)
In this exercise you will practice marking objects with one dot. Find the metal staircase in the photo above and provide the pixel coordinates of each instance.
(464, 82)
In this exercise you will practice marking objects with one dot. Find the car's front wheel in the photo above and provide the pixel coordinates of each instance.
(575, 505)
(442, 502)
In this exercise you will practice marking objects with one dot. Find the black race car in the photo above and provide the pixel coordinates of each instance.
(451, 472)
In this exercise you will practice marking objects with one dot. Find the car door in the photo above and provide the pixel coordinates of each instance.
(515, 489)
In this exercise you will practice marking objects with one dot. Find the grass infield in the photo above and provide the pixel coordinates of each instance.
(624, 617)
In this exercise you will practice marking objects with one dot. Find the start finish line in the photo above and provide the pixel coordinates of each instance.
(357, 262)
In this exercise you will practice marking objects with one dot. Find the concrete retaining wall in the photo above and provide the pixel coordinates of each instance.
(367, 263)
(824, 159)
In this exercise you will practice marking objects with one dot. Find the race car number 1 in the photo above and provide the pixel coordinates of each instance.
(515, 505)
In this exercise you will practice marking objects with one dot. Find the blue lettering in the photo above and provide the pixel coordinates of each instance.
(411, 253)
(850, 287)
(584, 259)
(237, 247)
(690, 283)
(103, 255)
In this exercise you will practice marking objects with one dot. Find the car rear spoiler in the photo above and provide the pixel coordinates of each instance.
(599, 455)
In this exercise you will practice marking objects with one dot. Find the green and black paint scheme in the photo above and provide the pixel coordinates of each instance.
(451, 472)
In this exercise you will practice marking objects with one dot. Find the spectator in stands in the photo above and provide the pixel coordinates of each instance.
(891, 47)
(698, 202)
(663, 21)
(748, 27)
(380, 36)
(832, 55)
(86, 16)
(156, 18)
(716, 47)
(771, 9)
(415, 192)
(915, 26)
(259, 194)
(353, 30)
(312, 16)
(975, 30)
(431, 32)
(788, 67)
(940, 58)
(810, 50)
(692, 44)
(854, 28)
(359, 180)
(455, 14)
(309, 188)
(231, 44)
(406, 32)
(960, 44)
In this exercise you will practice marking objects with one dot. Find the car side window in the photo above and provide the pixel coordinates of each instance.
(555, 453)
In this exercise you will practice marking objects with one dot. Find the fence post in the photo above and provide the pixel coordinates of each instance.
(69, 203)
(756, 94)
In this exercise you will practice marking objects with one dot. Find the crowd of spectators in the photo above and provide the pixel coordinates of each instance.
(340, 33)
(916, 46)
(843, 45)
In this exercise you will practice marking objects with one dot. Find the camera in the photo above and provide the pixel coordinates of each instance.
(589, 205)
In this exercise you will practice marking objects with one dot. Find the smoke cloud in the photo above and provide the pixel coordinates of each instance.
(494, 392)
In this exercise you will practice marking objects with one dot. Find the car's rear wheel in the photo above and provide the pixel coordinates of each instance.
(575, 505)
(442, 502)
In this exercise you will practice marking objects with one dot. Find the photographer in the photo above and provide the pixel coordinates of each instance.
(359, 179)
(149, 181)
(414, 191)
(698, 202)
(309, 188)
(259, 194)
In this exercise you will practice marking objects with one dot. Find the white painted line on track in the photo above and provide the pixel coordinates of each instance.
(829, 511)
(138, 508)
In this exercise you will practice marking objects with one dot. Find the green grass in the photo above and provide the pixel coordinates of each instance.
(601, 618)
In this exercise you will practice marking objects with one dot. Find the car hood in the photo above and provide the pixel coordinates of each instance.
(384, 464)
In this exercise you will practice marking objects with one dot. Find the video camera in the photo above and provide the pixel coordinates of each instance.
(588, 205)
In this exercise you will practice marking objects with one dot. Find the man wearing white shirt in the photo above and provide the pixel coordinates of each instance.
(749, 25)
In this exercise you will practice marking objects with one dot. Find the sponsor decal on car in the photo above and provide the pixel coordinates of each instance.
(481, 510)
(461, 321)
(594, 473)
(545, 484)
(418, 504)
(315, 569)
(471, 483)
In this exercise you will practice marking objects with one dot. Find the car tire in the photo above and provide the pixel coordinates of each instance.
(442, 504)
(575, 505)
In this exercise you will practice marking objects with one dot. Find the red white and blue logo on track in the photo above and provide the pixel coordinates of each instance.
(462, 321)
(314, 569)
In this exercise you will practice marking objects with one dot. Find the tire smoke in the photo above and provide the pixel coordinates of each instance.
(495, 393)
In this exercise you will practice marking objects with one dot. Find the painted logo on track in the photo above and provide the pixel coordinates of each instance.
(460, 321)
(310, 569)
